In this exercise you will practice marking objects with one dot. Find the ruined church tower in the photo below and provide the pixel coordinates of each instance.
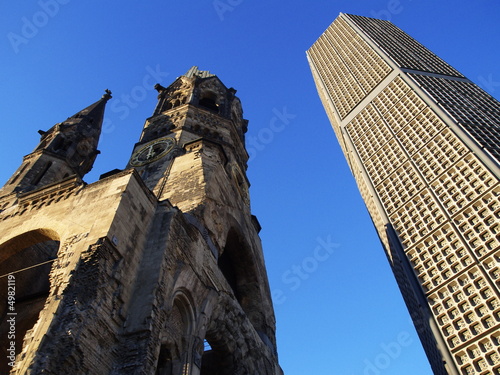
(154, 269)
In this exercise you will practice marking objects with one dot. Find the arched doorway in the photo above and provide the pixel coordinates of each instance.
(25, 264)
(175, 350)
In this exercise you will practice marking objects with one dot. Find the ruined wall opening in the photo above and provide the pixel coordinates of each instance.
(229, 271)
(25, 264)
(209, 101)
(216, 359)
(238, 267)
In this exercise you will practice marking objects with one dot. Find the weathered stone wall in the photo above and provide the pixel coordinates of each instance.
(118, 281)
(151, 262)
(96, 225)
(180, 262)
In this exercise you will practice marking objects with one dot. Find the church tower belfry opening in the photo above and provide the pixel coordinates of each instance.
(155, 269)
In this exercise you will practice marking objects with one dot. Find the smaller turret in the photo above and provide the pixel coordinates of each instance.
(68, 148)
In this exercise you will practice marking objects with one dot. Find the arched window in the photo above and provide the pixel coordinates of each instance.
(25, 264)
(175, 350)
(57, 144)
(175, 101)
(42, 173)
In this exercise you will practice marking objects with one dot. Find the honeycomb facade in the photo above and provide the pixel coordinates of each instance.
(423, 143)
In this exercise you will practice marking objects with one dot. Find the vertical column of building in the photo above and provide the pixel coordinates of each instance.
(434, 188)
(341, 59)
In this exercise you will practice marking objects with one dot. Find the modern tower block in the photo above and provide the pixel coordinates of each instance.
(423, 143)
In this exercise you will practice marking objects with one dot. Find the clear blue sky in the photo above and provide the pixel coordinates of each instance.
(342, 312)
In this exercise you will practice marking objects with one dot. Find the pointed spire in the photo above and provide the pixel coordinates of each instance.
(68, 148)
(94, 113)
(76, 138)
(84, 136)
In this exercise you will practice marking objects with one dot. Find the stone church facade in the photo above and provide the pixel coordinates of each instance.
(154, 269)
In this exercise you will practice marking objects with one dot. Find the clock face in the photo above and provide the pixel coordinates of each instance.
(152, 151)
